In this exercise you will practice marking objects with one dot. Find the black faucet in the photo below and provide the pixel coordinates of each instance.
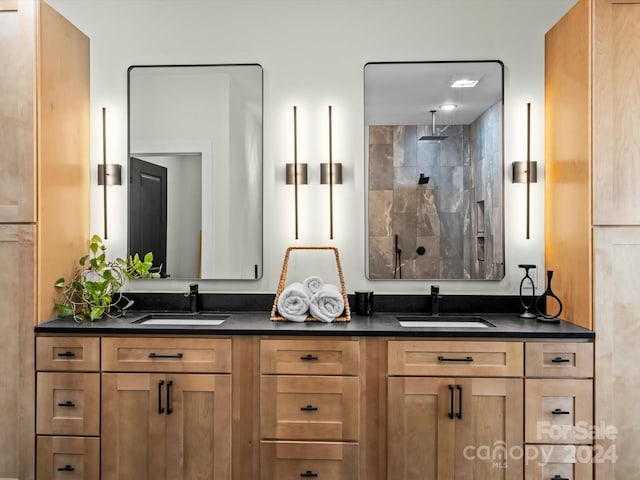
(193, 298)
(435, 300)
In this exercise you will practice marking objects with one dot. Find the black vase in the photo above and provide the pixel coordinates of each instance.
(542, 301)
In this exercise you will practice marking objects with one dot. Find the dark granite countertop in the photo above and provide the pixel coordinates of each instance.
(380, 324)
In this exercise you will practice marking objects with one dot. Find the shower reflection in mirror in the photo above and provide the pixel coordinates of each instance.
(434, 152)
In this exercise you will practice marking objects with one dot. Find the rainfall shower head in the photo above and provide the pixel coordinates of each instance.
(434, 133)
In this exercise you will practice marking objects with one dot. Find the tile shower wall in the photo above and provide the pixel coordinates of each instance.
(456, 217)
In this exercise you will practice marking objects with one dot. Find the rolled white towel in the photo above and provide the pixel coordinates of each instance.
(327, 304)
(293, 302)
(313, 284)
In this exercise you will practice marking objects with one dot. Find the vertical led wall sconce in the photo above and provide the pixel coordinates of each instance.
(526, 172)
(330, 173)
(296, 173)
(108, 174)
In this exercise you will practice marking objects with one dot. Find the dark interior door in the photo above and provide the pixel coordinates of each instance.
(148, 211)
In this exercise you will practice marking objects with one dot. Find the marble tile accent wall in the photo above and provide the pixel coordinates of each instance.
(456, 217)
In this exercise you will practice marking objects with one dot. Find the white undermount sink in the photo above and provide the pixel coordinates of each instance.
(183, 319)
(425, 321)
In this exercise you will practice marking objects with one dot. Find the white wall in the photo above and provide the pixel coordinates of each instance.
(313, 53)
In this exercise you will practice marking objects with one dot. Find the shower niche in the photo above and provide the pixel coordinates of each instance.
(435, 170)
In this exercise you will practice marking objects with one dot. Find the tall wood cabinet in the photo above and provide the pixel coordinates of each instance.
(592, 197)
(44, 196)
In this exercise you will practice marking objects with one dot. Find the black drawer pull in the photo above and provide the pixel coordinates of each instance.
(309, 408)
(308, 357)
(160, 408)
(559, 411)
(155, 355)
(445, 359)
(459, 414)
(308, 474)
(66, 354)
(560, 360)
(169, 408)
(451, 395)
(558, 477)
(68, 403)
(66, 468)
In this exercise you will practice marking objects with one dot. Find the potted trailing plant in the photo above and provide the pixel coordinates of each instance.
(90, 293)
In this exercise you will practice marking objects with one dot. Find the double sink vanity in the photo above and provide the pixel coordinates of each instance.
(232, 394)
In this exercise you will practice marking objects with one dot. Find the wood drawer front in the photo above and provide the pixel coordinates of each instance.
(310, 357)
(547, 462)
(310, 408)
(455, 358)
(68, 353)
(559, 359)
(68, 404)
(199, 355)
(558, 411)
(68, 458)
(306, 460)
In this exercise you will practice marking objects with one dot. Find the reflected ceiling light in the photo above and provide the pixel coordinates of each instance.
(464, 81)
(448, 106)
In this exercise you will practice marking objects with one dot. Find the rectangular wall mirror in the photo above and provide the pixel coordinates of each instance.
(434, 143)
(195, 169)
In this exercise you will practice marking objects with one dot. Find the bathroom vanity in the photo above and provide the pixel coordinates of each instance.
(251, 398)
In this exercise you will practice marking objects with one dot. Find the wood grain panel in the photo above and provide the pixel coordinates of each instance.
(68, 353)
(17, 297)
(68, 403)
(196, 355)
(420, 435)
(133, 430)
(63, 153)
(17, 110)
(559, 359)
(199, 427)
(310, 357)
(616, 113)
(423, 357)
(310, 408)
(572, 462)
(568, 161)
(296, 460)
(617, 253)
(573, 398)
(68, 458)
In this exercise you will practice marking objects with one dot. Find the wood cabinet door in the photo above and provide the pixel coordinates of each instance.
(198, 427)
(617, 396)
(17, 111)
(133, 426)
(489, 433)
(420, 432)
(17, 297)
(616, 113)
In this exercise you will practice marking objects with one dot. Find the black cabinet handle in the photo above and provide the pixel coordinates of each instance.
(68, 403)
(66, 354)
(308, 474)
(459, 414)
(560, 360)
(445, 359)
(155, 355)
(160, 409)
(169, 409)
(66, 468)
(309, 408)
(558, 477)
(451, 401)
(559, 411)
(308, 357)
